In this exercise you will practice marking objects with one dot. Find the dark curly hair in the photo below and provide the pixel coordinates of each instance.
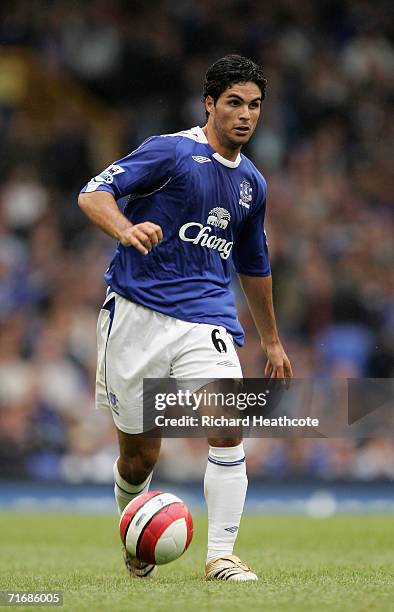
(229, 70)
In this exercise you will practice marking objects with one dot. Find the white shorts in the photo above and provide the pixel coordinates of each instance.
(134, 342)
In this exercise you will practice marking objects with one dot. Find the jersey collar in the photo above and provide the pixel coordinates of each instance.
(227, 162)
(222, 160)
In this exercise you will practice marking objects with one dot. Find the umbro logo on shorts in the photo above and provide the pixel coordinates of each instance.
(228, 364)
(200, 159)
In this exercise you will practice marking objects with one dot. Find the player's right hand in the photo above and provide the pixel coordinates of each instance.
(142, 236)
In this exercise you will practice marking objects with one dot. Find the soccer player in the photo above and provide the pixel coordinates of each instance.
(195, 210)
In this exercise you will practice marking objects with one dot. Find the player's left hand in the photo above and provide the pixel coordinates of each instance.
(278, 364)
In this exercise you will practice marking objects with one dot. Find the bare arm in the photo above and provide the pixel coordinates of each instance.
(258, 292)
(101, 208)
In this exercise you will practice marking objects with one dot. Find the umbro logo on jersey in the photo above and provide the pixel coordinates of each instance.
(200, 159)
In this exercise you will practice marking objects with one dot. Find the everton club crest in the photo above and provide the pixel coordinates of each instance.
(245, 194)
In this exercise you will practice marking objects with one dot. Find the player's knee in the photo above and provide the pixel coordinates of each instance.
(224, 442)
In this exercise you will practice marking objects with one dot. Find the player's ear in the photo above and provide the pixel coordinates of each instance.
(209, 104)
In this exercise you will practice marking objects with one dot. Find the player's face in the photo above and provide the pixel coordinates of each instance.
(235, 114)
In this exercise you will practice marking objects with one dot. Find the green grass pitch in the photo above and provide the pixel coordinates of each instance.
(344, 563)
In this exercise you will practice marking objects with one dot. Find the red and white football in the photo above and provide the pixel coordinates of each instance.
(156, 527)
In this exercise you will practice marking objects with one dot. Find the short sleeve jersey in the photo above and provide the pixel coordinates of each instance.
(211, 211)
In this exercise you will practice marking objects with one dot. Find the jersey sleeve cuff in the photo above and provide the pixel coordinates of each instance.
(93, 186)
(253, 272)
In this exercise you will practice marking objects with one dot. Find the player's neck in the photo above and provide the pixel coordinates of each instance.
(227, 152)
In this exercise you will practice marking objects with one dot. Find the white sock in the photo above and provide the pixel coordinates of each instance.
(225, 485)
(124, 491)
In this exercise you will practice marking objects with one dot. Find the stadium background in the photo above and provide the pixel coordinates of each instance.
(81, 84)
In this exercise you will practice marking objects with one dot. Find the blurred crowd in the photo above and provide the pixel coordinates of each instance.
(82, 83)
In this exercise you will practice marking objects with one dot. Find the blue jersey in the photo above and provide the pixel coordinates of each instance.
(211, 211)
